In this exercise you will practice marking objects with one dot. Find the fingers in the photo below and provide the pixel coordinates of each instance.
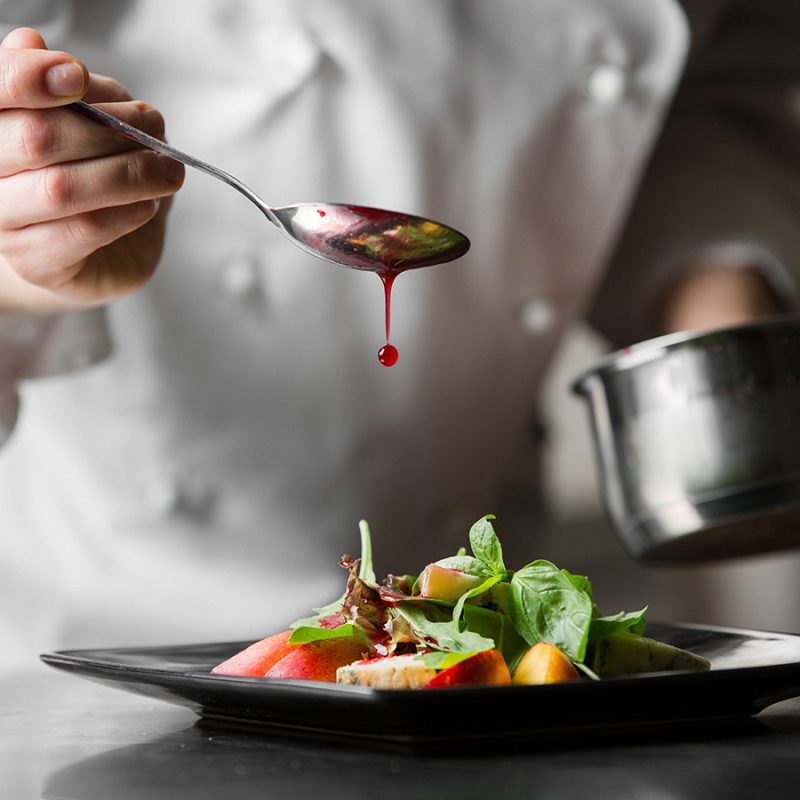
(63, 190)
(32, 140)
(56, 164)
(102, 89)
(44, 78)
(34, 77)
(81, 211)
(68, 242)
(24, 39)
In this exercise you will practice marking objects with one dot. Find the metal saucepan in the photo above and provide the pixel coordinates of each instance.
(697, 437)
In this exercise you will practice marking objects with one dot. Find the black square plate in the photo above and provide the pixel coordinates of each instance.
(749, 671)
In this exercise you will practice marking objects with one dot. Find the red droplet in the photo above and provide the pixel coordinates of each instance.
(388, 355)
(320, 212)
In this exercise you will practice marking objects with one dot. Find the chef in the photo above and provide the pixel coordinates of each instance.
(188, 449)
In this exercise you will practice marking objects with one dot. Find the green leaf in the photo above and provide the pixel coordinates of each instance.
(304, 635)
(466, 564)
(500, 629)
(319, 613)
(486, 546)
(580, 582)
(631, 621)
(366, 570)
(546, 605)
(458, 610)
(441, 660)
(430, 622)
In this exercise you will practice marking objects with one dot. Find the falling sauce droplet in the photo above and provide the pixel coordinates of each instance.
(388, 355)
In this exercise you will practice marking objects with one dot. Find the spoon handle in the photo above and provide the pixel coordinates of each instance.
(140, 137)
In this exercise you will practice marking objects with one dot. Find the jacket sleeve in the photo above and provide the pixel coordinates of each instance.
(34, 346)
(724, 178)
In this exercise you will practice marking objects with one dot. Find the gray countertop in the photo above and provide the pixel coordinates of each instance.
(65, 737)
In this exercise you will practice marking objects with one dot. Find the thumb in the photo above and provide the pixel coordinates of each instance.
(31, 76)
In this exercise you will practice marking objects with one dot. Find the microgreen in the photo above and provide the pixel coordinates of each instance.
(366, 570)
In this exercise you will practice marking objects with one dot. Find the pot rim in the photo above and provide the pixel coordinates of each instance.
(635, 355)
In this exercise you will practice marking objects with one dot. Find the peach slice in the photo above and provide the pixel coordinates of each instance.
(486, 667)
(544, 663)
(318, 661)
(255, 660)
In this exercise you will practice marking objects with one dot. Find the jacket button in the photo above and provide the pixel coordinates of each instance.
(170, 496)
(536, 316)
(240, 279)
(605, 83)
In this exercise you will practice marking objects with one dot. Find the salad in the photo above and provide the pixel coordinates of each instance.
(464, 620)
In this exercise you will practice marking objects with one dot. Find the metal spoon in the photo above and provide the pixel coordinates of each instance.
(354, 236)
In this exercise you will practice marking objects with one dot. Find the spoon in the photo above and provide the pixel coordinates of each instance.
(386, 242)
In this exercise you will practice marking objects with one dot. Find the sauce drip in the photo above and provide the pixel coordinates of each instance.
(388, 354)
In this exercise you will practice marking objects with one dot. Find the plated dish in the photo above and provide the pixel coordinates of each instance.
(466, 650)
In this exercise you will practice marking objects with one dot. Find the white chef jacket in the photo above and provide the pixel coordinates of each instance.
(190, 463)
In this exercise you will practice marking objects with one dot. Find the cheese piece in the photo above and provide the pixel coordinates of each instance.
(394, 672)
(626, 654)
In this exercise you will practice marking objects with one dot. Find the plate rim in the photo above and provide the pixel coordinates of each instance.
(73, 659)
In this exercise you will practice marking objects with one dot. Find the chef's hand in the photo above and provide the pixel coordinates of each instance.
(82, 210)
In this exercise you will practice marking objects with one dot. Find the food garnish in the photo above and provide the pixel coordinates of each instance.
(464, 620)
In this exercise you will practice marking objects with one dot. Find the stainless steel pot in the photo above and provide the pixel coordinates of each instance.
(697, 438)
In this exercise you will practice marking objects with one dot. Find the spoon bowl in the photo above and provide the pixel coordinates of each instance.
(350, 235)
(367, 238)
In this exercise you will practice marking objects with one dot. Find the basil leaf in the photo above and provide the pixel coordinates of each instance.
(435, 626)
(486, 546)
(580, 582)
(466, 564)
(631, 621)
(546, 605)
(480, 589)
(304, 635)
(500, 629)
